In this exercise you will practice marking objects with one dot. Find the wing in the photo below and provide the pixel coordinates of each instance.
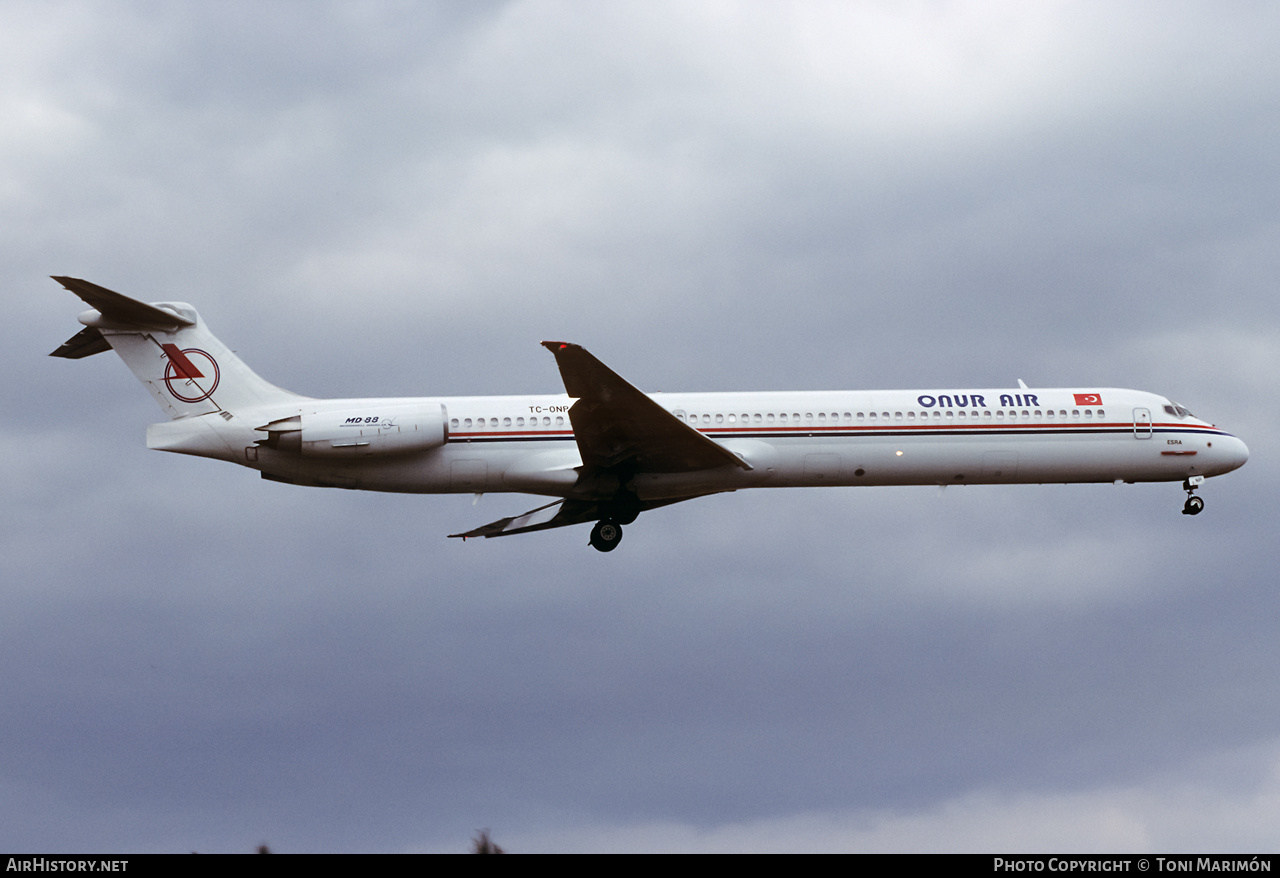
(619, 427)
(557, 514)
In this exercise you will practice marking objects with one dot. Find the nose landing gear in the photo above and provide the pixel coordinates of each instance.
(1194, 504)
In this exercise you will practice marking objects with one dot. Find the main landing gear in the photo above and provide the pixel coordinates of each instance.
(606, 535)
(622, 508)
(1194, 504)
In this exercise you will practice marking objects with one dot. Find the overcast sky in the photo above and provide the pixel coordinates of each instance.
(394, 199)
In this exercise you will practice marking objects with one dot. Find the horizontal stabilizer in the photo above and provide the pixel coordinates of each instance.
(85, 343)
(171, 351)
(121, 309)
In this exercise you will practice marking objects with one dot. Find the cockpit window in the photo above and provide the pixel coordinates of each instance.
(1178, 411)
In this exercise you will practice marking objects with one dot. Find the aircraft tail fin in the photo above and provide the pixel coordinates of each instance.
(170, 350)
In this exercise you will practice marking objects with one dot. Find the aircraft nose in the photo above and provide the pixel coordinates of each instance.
(1232, 452)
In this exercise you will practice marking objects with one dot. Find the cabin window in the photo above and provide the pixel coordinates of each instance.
(559, 420)
(861, 416)
(897, 416)
(1088, 413)
(1101, 414)
(719, 419)
(453, 424)
(1075, 413)
(467, 422)
(822, 417)
(1039, 414)
(911, 416)
(506, 422)
(768, 417)
(1000, 415)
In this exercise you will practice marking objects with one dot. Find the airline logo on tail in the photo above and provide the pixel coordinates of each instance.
(183, 370)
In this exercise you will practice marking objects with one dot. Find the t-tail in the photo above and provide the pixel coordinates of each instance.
(169, 348)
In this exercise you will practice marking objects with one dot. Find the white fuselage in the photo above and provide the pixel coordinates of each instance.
(817, 438)
(610, 451)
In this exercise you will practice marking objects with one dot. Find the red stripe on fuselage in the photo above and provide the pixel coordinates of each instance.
(1065, 428)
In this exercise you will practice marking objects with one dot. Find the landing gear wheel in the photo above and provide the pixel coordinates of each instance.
(1194, 504)
(606, 535)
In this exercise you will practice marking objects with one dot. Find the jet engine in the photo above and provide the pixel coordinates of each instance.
(370, 429)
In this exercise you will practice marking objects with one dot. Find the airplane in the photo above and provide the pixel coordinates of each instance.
(607, 451)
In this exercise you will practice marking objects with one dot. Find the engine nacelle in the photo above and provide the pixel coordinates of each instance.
(373, 429)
